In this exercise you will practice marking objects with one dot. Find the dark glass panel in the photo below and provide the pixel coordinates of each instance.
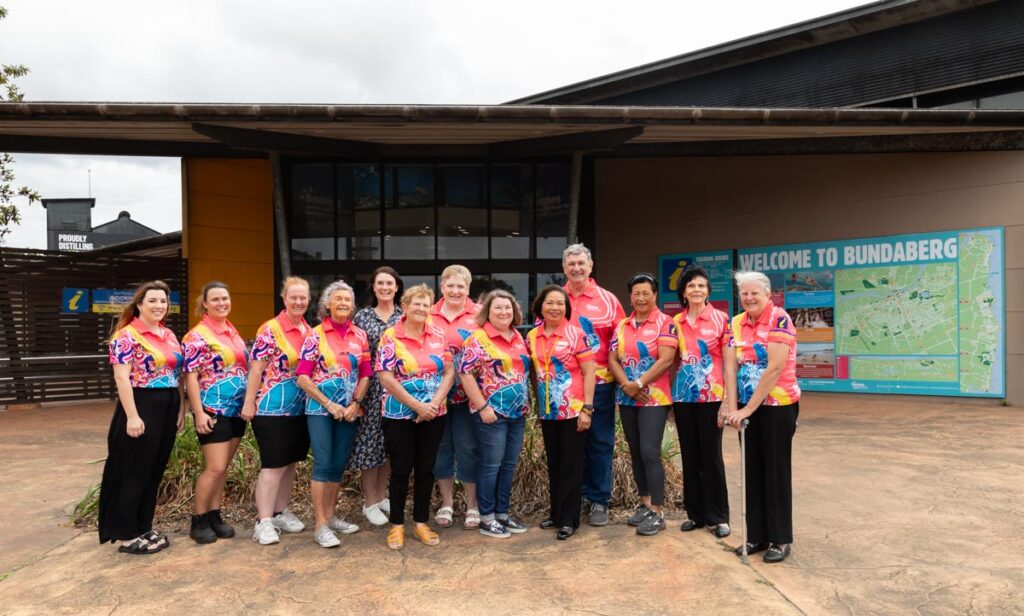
(462, 213)
(511, 211)
(409, 212)
(552, 210)
(358, 212)
(311, 217)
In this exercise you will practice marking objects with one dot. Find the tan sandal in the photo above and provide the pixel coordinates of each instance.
(472, 521)
(396, 537)
(427, 536)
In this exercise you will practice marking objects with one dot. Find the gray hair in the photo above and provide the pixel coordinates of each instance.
(576, 249)
(324, 306)
(758, 277)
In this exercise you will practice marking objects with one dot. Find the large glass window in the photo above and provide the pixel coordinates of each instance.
(311, 219)
(359, 230)
(552, 210)
(462, 213)
(409, 212)
(511, 211)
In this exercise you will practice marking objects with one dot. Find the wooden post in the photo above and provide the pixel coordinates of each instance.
(574, 197)
(280, 219)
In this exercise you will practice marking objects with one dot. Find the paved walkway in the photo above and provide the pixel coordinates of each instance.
(903, 506)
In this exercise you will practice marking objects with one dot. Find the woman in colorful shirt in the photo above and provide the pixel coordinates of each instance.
(697, 391)
(334, 371)
(147, 361)
(455, 314)
(277, 408)
(368, 455)
(216, 364)
(414, 365)
(492, 367)
(760, 374)
(642, 349)
(563, 368)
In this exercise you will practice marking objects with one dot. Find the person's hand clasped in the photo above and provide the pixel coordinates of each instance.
(583, 423)
(204, 423)
(136, 427)
(735, 418)
(424, 411)
(487, 415)
(336, 411)
(351, 412)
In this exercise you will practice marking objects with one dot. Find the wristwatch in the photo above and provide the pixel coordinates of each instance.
(588, 408)
(639, 383)
(359, 401)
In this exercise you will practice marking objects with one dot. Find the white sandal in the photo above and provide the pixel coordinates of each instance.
(443, 517)
(472, 520)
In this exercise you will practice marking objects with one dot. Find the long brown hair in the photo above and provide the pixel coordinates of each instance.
(132, 310)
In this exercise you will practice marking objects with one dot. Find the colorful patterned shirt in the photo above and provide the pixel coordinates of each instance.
(636, 347)
(334, 356)
(417, 363)
(217, 354)
(456, 331)
(750, 338)
(277, 343)
(597, 311)
(154, 356)
(500, 368)
(700, 377)
(556, 363)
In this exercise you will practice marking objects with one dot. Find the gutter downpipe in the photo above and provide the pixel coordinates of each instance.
(280, 220)
(574, 197)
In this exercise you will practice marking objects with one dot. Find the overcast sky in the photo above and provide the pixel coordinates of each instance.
(334, 51)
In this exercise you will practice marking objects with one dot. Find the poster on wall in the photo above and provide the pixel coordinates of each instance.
(113, 301)
(719, 265)
(907, 314)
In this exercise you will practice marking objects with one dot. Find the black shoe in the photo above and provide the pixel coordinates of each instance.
(565, 532)
(598, 515)
(513, 526)
(219, 526)
(776, 553)
(547, 524)
(201, 531)
(639, 515)
(652, 525)
(752, 548)
(720, 530)
(690, 525)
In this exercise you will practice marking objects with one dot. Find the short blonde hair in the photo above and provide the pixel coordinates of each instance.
(416, 291)
(457, 270)
(292, 281)
(758, 277)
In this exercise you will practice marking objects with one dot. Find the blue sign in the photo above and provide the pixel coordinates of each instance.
(719, 266)
(113, 301)
(74, 301)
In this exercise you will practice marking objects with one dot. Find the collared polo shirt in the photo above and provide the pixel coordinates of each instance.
(334, 356)
(500, 368)
(556, 362)
(750, 338)
(417, 363)
(597, 311)
(217, 354)
(278, 342)
(154, 355)
(700, 375)
(636, 347)
(456, 331)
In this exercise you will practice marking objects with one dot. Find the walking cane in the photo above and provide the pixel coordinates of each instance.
(743, 488)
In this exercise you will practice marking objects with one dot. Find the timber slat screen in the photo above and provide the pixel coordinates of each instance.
(46, 355)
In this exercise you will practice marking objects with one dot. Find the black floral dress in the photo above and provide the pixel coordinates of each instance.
(368, 451)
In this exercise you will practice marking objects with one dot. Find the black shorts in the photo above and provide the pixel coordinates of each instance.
(281, 440)
(225, 429)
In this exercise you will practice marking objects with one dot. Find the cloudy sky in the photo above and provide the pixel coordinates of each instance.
(334, 51)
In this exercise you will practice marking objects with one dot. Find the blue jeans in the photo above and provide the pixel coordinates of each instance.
(600, 444)
(500, 443)
(457, 455)
(332, 441)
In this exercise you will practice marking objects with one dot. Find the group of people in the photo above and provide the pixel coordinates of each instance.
(440, 390)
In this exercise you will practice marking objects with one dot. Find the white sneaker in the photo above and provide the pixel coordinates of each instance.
(326, 537)
(375, 515)
(265, 533)
(288, 521)
(343, 527)
(385, 506)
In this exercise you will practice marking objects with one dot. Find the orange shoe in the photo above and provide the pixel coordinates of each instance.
(427, 536)
(396, 537)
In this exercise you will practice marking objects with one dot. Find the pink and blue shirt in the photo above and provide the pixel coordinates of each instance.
(456, 331)
(334, 356)
(154, 355)
(597, 311)
(417, 363)
(636, 347)
(217, 354)
(750, 338)
(699, 377)
(499, 367)
(556, 363)
(278, 342)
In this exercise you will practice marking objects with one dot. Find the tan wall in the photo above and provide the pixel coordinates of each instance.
(720, 203)
(227, 235)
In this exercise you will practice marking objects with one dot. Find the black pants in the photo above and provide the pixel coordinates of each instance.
(769, 473)
(644, 427)
(413, 449)
(135, 466)
(705, 495)
(564, 448)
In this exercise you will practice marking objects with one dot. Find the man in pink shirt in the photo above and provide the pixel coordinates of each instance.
(597, 312)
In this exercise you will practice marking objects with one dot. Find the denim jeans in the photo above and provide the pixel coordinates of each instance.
(332, 442)
(500, 443)
(458, 456)
(600, 444)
